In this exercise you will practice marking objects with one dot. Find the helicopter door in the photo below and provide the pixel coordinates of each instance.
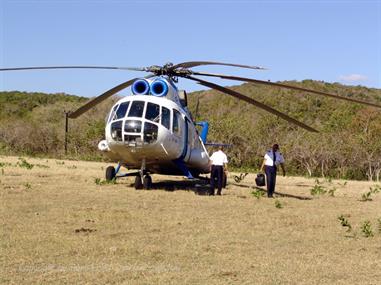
(184, 139)
(187, 140)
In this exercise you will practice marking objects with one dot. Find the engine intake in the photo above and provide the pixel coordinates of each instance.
(140, 87)
(159, 88)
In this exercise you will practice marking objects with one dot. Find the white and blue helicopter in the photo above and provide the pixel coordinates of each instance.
(152, 130)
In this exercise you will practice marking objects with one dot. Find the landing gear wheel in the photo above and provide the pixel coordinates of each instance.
(138, 183)
(110, 173)
(147, 182)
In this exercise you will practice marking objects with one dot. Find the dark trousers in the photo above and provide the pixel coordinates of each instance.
(270, 179)
(217, 172)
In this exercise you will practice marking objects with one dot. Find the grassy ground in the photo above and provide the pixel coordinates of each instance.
(59, 226)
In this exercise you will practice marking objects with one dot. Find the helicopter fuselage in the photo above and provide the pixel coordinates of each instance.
(156, 133)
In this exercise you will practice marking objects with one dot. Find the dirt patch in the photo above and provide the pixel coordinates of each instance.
(84, 230)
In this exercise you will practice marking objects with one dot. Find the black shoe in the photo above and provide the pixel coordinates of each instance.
(219, 193)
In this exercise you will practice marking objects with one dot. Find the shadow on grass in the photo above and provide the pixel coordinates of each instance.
(198, 186)
(276, 193)
(201, 187)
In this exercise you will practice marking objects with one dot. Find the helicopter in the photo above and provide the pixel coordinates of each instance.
(152, 130)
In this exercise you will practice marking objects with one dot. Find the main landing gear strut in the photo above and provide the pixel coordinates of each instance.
(142, 178)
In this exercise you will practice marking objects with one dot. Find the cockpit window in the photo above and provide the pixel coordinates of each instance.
(136, 109)
(116, 130)
(150, 132)
(133, 126)
(121, 112)
(165, 117)
(153, 112)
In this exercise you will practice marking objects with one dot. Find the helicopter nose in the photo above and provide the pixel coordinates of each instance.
(159, 88)
(140, 87)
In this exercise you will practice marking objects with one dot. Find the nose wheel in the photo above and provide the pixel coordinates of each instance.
(145, 183)
(110, 173)
(142, 178)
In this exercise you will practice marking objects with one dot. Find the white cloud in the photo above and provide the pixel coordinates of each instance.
(353, 77)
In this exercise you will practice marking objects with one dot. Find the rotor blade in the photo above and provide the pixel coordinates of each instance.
(287, 86)
(71, 67)
(191, 64)
(253, 102)
(102, 97)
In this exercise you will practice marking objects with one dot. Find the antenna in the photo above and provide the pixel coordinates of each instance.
(196, 111)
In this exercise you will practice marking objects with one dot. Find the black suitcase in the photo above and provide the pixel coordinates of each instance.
(260, 180)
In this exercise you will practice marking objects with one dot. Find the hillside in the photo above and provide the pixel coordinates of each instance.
(348, 145)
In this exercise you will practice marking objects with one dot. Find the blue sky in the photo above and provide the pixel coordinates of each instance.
(334, 41)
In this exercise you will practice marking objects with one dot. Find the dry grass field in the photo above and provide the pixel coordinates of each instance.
(58, 226)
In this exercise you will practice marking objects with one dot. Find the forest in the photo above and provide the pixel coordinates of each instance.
(348, 144)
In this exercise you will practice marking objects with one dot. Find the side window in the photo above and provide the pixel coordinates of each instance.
(136, 109)
(166, 117)
(121, 112)
(153, 112)
(176, 122)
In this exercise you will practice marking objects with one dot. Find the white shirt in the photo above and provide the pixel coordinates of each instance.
(269, 158)
(219, 158)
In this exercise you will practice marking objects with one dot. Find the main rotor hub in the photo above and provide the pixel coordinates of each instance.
(169, 71)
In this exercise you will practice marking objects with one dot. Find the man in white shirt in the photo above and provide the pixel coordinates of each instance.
(218, 165)
(272, 159)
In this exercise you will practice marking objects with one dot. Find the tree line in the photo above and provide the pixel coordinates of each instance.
(347, 146)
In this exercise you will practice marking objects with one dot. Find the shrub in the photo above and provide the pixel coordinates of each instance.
(318, 190)
(366, 229)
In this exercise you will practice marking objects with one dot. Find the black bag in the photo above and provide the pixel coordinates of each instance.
(260, 180)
